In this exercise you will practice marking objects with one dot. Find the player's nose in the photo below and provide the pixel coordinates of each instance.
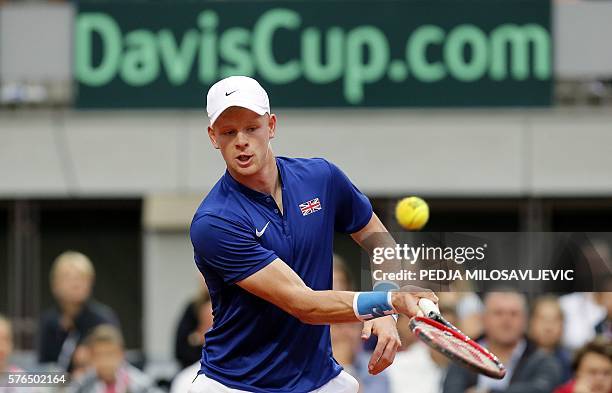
(242, 139)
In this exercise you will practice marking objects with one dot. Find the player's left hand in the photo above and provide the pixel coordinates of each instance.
(388, 342)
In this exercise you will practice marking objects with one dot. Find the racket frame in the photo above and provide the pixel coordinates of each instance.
(440, 323)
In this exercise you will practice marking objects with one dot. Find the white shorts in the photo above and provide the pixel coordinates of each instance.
(342, 383)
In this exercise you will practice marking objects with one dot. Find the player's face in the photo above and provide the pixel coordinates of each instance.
(243, 138)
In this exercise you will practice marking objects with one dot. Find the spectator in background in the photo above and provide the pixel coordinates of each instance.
(582, 313)
(81, 361)
(582, 310)
(604, 327)
(6, 346)
(468, 308)
(416, 365)
(546, 329)
(342, 280)
(346, 340)
(64, 326)
(110, 372)
(195, 321)
(528, 369)
(349, 353)
(593, 368)
(182, 381)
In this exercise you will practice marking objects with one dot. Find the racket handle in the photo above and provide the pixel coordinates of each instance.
(428, 307)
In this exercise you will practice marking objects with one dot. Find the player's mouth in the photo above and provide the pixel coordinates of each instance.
(244, 160)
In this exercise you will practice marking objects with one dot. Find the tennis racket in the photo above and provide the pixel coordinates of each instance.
(445, 338)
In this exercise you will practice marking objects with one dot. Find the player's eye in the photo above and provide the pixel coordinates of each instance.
(251, 129)
(229, 132)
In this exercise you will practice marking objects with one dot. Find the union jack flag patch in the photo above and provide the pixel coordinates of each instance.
(311, 206)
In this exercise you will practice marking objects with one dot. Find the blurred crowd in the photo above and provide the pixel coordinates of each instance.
(549, 344)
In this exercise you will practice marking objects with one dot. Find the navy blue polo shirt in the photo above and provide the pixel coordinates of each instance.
(254, 345)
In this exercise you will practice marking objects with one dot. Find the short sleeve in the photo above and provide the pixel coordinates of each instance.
(353, 208)
(227, 247)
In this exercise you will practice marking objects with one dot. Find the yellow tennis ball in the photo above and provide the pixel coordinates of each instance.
(412, 213)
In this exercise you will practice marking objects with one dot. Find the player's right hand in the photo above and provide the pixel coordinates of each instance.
(406, 299)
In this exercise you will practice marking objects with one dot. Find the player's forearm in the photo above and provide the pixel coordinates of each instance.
(326, 307)
(292, 295)
(281, 286)
(323, 307)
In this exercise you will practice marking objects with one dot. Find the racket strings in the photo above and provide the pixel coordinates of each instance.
(457, 347)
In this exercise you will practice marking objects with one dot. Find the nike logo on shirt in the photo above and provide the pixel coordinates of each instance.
(258, 233)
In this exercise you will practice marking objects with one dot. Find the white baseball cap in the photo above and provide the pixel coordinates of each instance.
(239, 91)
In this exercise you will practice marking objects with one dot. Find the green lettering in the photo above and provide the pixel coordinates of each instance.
(397, 71)
(519, 38)
(458, 66)
(263, 36)
(140, 63)
(314, 69)
(87, 25)
(362, 40)
(208, 21)
(416, 53)
(233, 46)
(177, 60)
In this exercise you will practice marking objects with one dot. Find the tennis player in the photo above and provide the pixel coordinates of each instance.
(263, 240)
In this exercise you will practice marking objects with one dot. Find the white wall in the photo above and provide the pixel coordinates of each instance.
(36, 42)
(582, 31)
(571, 153)
(170, 281)
(171, 278)
(433, 152)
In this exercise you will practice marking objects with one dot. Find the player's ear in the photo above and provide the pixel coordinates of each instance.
(213, 138)
(271, 125)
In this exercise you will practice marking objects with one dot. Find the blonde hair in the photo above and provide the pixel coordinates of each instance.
(75, 260)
